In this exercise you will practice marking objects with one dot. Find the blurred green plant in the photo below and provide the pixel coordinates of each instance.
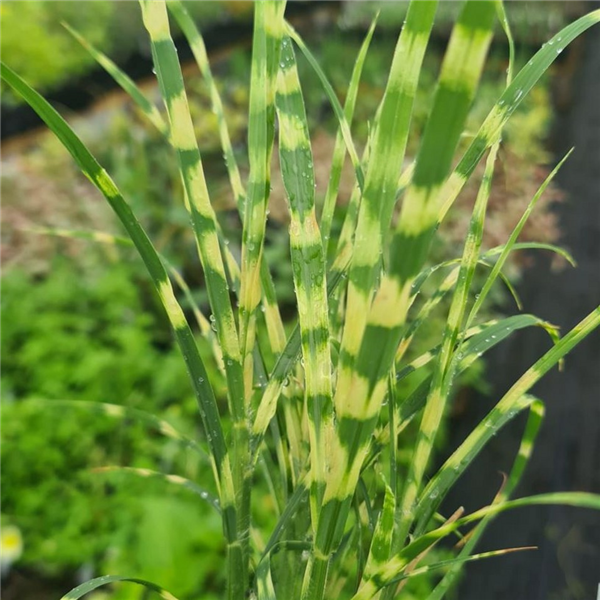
(95, 335)
(42, 50)
(46, 54)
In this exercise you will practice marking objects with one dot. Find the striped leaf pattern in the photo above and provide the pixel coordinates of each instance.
(203, 217)
(204, 223)
(515, 400)
(534, 421)
(268, 29)
(444, 370)
(333, 408)
(508, 103)
(308, 263)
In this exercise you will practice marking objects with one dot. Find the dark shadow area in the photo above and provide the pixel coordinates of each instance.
(567, 454)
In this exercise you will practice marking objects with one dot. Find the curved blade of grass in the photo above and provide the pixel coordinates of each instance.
(450, 281)
(108, 238)
(167, 478)
(294, 502)
(424, 542)
(335, 103)
(126, 412)
(534, 246)
(339, 151)
(183, 334)
(94, 584)
(443, 373)
(508, 103)
(488, 254)
(575, 499)
(534, 421)
(268, 29)
(438, 295)
(480, 298)
(308, 264)
(386, 575)
(265, 590)
(478, 340)
(512, 402)
(485, 260)
(126, 83)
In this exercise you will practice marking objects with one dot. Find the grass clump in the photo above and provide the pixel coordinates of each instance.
(322, 425)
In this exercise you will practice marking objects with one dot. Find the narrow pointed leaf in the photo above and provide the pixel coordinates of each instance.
(166, 478)
(100, 178)
(508, 102)
(510, 405)
(94, 584)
